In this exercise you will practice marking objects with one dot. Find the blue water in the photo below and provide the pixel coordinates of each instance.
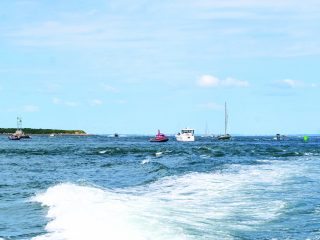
(99, 187)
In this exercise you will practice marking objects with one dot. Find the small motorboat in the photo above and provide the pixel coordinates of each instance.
(160, 137)
(14, 137)
(279, 137)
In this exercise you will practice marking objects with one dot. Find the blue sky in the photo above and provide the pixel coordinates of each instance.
(136, 66)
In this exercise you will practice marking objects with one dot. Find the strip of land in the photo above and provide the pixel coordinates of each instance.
(42, 131)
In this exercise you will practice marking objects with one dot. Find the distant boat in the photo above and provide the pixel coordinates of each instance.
(186, 135)
(279, 137)
(19, 133)
(51, 135)
(160, 137)
(14, 137)
(206, 132)
(225, 136)
(116, 135)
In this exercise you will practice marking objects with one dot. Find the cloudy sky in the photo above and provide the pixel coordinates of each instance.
(125, 66)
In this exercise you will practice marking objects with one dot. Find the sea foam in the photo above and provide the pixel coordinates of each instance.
(192, 206)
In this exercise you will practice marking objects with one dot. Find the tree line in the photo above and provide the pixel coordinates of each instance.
(41, 131)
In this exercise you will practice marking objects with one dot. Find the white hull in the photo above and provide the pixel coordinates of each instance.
(184, 138)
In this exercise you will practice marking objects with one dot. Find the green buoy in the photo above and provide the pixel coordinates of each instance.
(305, 138)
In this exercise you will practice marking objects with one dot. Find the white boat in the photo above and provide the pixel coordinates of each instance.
(186, 135)
(51, 135)
(225, 136)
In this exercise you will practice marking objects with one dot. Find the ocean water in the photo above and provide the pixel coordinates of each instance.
(99, 187)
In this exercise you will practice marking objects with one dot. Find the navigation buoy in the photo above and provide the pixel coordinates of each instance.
(305, 138)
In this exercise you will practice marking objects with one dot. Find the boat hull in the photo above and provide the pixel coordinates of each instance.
(159, 140)
(224, 137)
(25, 136)
(12, 137)
(181, 138)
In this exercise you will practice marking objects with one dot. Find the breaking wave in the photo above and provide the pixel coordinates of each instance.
(207, 205)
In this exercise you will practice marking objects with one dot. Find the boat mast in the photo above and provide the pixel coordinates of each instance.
(19, 123)
(225, 118)
(206, 130)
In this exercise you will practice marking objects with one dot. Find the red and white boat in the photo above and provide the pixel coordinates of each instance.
(160, 137)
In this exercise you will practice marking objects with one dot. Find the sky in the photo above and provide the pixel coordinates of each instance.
(134, 67)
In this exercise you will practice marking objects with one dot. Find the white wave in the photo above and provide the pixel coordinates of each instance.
(82, 212)
(158, 154)
(102, 151)
(145, 161)
(181, 207)
(264, 161)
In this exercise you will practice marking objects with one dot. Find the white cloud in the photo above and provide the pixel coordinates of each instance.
(273, 4)
(96, 102)
(109, 88)
(208, 81)
(212, 81)
(290, 83)
(76, 33)
(269, 31)
(270, 36)
(69, 33)
(52, 28)
(31, 108)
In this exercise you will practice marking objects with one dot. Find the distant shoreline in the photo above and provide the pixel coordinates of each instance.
(40, 131)
(55, 134)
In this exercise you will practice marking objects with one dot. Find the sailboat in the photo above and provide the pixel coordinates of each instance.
(225, 136)
(206, 132)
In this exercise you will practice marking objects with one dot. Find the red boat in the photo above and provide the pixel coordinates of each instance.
(160, 137)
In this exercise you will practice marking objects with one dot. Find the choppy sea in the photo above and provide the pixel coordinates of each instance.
(101, 187)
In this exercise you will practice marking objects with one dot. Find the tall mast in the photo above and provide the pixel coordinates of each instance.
(19, 123)
(225, 118)
(206, 130)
